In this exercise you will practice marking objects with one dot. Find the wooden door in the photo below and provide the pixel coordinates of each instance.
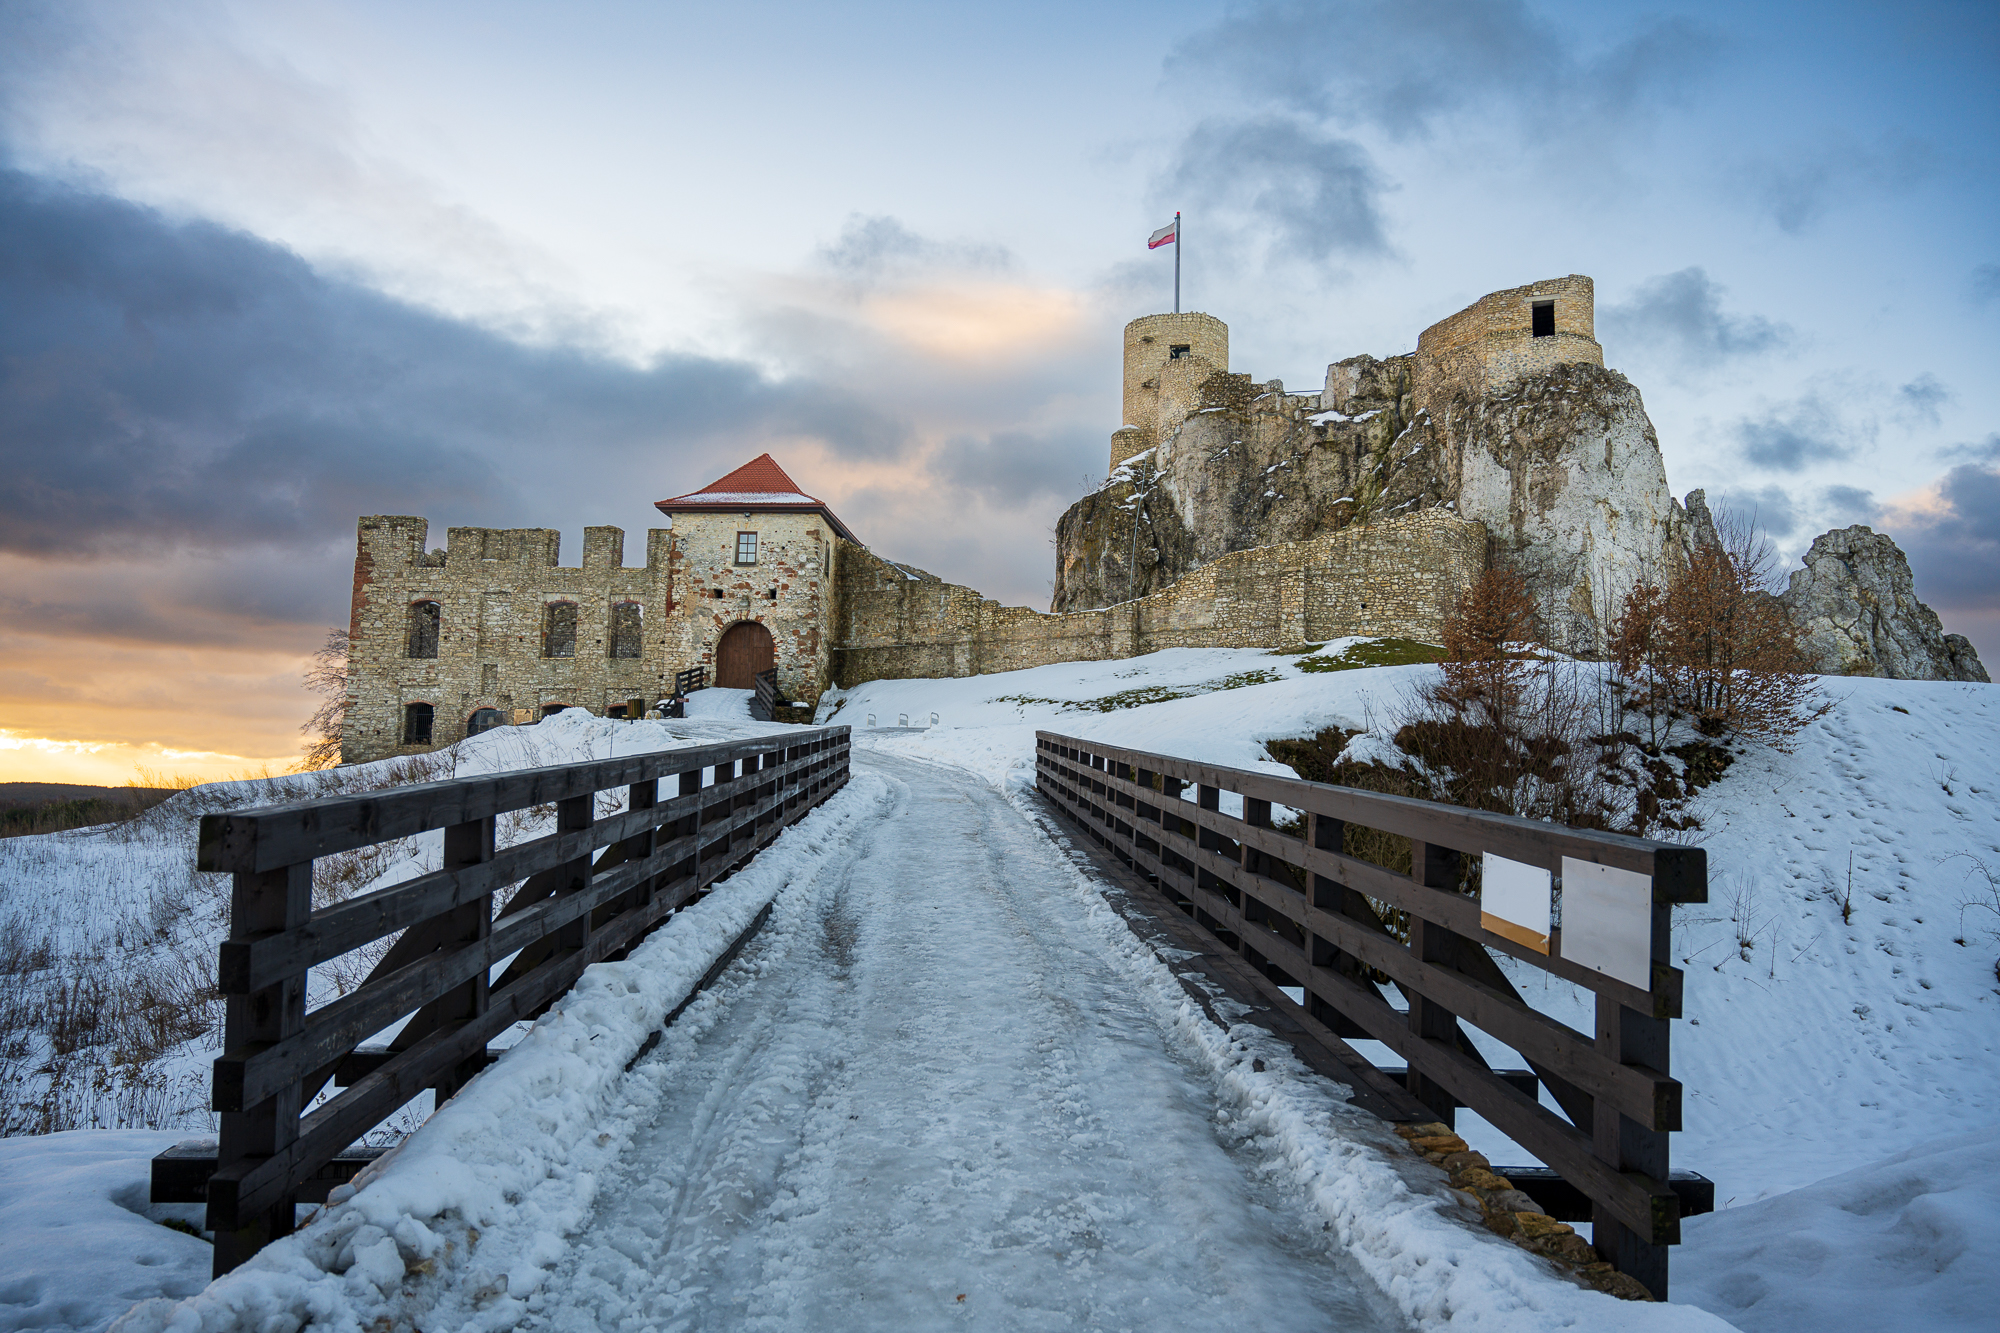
(745, 650)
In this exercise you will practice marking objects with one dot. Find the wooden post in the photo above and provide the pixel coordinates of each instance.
(276, 900)
(1434, 867)
(1632, 1038)
(466, 844)
(575, 815)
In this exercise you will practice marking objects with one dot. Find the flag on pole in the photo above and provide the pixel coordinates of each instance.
(1166, 235)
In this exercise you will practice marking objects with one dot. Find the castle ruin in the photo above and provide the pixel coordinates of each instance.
(1235, 514)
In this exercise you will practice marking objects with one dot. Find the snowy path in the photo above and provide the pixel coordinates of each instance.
(933, 1099)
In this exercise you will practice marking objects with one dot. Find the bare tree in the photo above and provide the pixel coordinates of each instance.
(326, 676)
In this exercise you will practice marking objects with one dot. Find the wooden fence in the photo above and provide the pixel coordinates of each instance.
(1287, 894)
(589, 890)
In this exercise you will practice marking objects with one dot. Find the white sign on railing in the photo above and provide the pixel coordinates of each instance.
(1608, 921)
(1516, 901)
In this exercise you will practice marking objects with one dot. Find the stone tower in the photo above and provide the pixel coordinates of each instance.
(1167, 357)
(1504, 337)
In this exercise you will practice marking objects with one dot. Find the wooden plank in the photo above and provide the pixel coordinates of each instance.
(243, 1076)
(246, 1186)
(1455, 912)
(1649, 1097)
(270, 836)
(1679, 872)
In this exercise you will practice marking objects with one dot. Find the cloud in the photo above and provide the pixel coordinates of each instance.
(1770, 508)
(1304, 194)
(1405, 65)
(1798, 187)
(1791, 437)
(172, 384)
(873, 246)
(1013, 468)
(1987, 451)
(1681, 315)
(1986, 283)
(1848, 505)
(1951, 532)
(1920, 402)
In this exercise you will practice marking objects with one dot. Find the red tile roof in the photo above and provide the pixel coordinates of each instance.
(759, 484)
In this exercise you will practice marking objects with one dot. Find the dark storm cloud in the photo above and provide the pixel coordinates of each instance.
(169, 384)
(1012, 468)
(1681, 315)
(1404, 65)
(1314, 195)
(1955, 548)
(1794, 436)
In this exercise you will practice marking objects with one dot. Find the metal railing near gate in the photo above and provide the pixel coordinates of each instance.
(1310, 916)
(589, 890)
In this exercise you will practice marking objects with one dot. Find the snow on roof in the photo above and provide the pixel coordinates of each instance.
(758, 484)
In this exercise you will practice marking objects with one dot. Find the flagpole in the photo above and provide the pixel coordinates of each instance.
(1177, 261)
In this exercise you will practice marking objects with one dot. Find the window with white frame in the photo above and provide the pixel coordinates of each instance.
(746, 548)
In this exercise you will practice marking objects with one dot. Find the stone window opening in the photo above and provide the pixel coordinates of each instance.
(550, 710)
(773, 594)
(425, 617)
(559, 630)
(483, 719)
(417, 722)
(746, 548)
(1544, 319)
(1176, 351)
(627, 629)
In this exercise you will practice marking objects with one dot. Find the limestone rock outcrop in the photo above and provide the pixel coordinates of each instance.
(1563, 467)
(1856, 606)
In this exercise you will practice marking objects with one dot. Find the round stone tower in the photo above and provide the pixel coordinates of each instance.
(1167, 357)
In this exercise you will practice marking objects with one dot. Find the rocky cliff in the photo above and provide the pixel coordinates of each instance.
(1857, 608)
(1562, 467)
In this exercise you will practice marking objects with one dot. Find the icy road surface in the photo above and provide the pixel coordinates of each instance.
(939, 1102)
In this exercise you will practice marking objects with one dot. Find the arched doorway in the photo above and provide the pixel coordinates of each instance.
(745, 650)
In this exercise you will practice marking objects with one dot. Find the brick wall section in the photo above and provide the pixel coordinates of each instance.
(494, 585)
(1395, 578)
(1491, 342)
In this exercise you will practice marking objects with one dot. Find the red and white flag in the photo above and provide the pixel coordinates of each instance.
(1166, 235)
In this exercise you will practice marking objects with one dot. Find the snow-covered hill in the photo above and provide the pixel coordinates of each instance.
(1839, 1051)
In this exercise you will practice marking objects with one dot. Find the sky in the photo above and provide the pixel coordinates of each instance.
(267, 267)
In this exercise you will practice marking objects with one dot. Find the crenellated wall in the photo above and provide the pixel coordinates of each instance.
(494, 586)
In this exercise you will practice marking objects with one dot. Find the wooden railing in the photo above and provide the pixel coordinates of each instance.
(767, 699)
(589, 890)
(1310, 916)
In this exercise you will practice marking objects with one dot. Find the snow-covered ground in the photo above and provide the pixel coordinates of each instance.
(1818, 1049)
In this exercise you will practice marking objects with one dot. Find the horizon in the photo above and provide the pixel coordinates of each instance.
(269, 271)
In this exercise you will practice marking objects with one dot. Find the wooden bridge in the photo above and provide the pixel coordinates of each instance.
(588, 891)
(1303, 913)
(1259, 870)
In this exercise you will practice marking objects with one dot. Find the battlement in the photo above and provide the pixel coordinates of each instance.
(396, 541)
(1508, 335)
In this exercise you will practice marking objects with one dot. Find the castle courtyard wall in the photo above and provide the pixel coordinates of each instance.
(494, 586)
(1397, 578)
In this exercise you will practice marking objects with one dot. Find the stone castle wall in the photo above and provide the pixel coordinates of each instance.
(494, 587)
(1491, 342)
(1399, 577)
